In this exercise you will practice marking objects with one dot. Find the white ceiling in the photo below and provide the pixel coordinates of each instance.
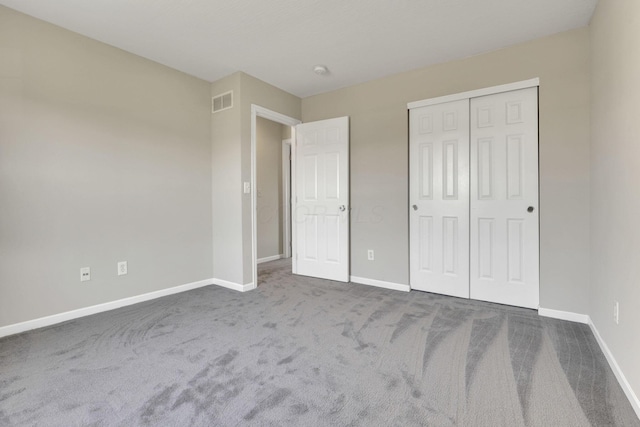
(279, 41)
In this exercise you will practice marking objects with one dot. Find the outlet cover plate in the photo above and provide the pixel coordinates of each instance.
(122, 268)
(85, 274)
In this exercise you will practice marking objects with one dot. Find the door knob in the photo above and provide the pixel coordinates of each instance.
(530, 209)
(415, 207)
(342, 208)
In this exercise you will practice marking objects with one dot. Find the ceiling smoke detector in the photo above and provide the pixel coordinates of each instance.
(321, 70)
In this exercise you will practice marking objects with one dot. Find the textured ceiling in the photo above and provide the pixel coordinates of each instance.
(279, 41)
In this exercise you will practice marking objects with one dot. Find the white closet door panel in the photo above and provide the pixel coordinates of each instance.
(504, 250)
(439, 198)
(322, 198)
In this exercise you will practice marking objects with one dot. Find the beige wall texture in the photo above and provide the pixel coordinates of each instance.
(615, 178)
(269, 187)
(379, 157)
(104, 157)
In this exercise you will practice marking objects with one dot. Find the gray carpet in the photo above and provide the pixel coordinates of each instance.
(305, 352)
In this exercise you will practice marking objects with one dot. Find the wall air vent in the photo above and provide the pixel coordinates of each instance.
(224, 101)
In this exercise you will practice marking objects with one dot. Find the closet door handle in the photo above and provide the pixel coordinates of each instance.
(415, 207)
(530, 209)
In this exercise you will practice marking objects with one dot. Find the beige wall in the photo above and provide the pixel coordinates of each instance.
(615, 177)
(286, 132)
(379, 157)
(227, 184)
(269, 187)
(104, 157)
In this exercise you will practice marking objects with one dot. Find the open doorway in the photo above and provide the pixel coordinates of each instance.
(320, 195)
(273, 190)
(271, 157)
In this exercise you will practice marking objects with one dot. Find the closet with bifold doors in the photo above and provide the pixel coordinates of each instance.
(474, 229)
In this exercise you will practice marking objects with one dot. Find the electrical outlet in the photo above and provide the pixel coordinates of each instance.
(370, 254)
(122, 268)
(247, 188)
(85, 274)
(616, 312)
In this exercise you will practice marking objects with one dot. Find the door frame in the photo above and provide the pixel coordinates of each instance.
(265, 113)
(524, 84)
(287, 243)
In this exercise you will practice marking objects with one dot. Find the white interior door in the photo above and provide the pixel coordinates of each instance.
(322, 199)
(504, 198)
(439, 197)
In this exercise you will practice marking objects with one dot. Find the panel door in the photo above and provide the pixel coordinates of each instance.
(504, 198)
(321, 212)
(439, 198)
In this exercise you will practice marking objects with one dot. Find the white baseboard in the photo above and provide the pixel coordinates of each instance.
(269, 258)
(564, 315)
(380, 284)
(99, 308)
(584, 318)
(235, 286)
(626, 387)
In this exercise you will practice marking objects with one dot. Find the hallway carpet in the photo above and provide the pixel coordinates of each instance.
(306, 352)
